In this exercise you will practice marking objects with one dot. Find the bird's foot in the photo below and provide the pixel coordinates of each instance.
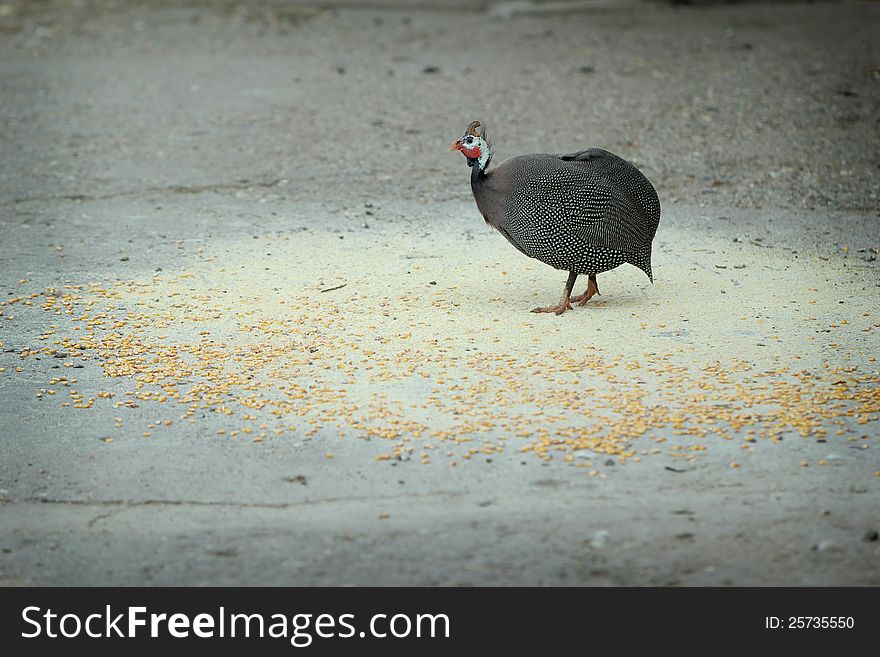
(561, 307)
(591, 291)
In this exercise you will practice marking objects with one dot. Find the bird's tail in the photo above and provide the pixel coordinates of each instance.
(641, 258)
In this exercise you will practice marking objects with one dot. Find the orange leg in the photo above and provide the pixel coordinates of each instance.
(591, 291)
(564, 303)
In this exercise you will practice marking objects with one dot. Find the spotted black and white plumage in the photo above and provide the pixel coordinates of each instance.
(585, 212)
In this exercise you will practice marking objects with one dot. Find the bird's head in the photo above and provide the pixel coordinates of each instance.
(474, 145)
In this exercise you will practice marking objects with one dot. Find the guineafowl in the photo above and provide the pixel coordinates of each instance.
(585, 212)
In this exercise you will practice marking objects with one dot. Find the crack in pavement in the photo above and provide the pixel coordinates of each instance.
(102, 516)
(171, 189)
(218, 503)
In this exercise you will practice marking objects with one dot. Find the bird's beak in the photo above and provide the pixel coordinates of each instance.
(456, 146)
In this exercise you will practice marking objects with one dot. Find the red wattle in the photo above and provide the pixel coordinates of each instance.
(473, 153)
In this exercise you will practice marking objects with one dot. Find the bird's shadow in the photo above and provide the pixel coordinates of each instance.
(615, 298)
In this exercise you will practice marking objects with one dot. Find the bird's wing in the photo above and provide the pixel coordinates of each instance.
(626, 178)
(584, 197)
(601, 213)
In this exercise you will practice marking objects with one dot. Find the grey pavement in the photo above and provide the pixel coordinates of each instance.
(222, 163)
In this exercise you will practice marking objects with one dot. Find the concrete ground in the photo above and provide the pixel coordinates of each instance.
(254, 331)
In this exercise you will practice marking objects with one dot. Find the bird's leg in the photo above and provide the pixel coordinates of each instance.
(591, 291)
(564, 303)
